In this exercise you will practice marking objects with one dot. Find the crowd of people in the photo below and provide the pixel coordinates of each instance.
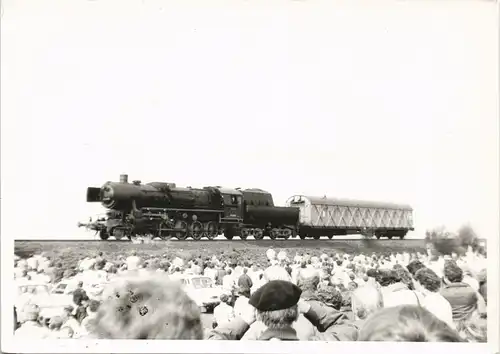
(327, 297)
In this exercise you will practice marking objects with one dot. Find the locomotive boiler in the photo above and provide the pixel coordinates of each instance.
(164, 210)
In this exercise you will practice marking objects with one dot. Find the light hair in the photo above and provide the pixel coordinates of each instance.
(365, 301)
(406, 323)
(280, 318)
(150, 307)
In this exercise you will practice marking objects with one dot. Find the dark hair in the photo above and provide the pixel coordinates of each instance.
(339, 262)
(414, 266)
(429, 280)
(483, 291)
(407, 323)
(453, 272)
(372, 273)
(330, 295)
(404, 277)
(94, 305)
(387, 277)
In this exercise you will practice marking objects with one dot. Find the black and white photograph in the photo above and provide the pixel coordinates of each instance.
(249, 176)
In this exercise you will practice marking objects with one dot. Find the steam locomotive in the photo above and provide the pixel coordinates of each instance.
(165, 210)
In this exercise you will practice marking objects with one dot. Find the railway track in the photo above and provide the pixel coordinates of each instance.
(310, 242)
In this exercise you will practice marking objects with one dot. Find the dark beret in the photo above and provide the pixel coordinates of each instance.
(275, 295)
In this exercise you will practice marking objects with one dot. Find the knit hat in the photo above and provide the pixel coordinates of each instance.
(275, 295)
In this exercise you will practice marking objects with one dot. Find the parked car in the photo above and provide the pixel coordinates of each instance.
(202, 290)
(94, 289)
(50, 303)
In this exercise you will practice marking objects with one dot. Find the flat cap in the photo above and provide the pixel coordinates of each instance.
(275, 295)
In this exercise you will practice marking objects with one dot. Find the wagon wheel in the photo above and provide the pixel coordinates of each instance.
(210, 230)
(274, 234)
(389, 237)
(196, 230)
(287, 233)
(316, 237)
(303, 236)
(330, 236)
(181, 230)
(244, 234)
(258, 234)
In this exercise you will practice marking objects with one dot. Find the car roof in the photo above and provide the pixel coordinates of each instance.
(191, 276)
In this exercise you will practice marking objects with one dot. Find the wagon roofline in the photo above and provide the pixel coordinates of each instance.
(350, 202)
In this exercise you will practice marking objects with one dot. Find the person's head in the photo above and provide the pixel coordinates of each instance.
(483, 291)
(148, 307)
(352, 286)
(309, 283)
(55, 323)
(414, 266)
(229, 271)
(67, 312)
(80, 284)
(452, 272)
(224, 298)
(365, 301)
(93, 306)
(79, 298)
(404, 277)
(406, 323)
(31, 312)
(427, 280)
(66, 332)
(330, 295)
(387, 277)
(276, 303)
(245, 270)
(244, 292)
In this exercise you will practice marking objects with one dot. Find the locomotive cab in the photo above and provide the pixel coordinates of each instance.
(232, 200)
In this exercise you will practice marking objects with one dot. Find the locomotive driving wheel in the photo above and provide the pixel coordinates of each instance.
(164, 234)
(287, 233)
(210, 230)
(258, 234)
(274, 234)
(181, 230)
(196, 230)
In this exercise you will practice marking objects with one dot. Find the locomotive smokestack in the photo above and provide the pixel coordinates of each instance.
(123, 178)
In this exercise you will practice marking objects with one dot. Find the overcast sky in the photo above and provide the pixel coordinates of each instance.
(394, 102)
